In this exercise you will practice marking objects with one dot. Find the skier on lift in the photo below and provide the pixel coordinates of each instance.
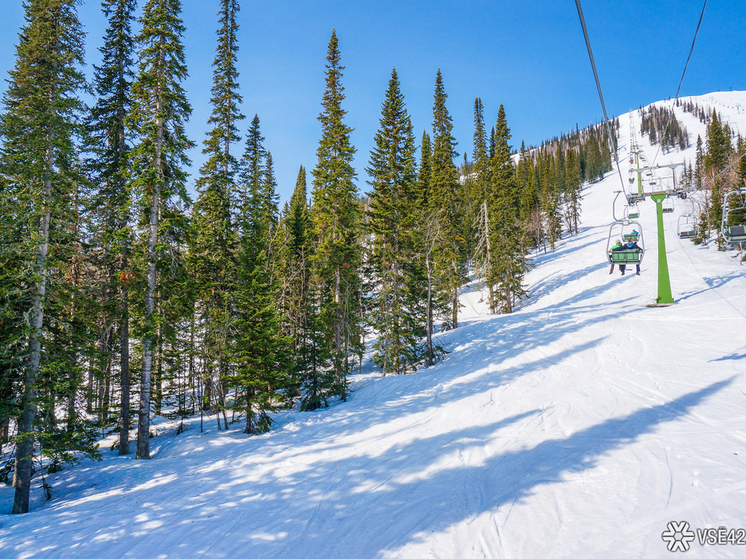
(631, 245)
(617, 246)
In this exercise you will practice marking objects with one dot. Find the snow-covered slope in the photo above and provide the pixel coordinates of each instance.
(580, 426)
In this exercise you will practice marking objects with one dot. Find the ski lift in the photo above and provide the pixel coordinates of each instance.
(653, 183)
(735, 233)
(686, 226)
(632, 180)
(634, 197)
(633, 235)
(667, 205)
(631, 212)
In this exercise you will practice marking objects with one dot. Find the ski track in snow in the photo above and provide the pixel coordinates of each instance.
(577, 427)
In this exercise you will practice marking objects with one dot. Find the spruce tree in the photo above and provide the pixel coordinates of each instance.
(736, 213)
(425, 175)
(213, 253)
(445, 197)
(158, 160)
(335, 214)
(550, 207)
(508, 265)
(294, 280)
(481, 192)
(40, 131)
(261, 351)
(111, 211)
(252, 164)
(392, 222)
(715, 161)
(573, 192)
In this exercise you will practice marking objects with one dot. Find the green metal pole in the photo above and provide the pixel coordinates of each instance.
(664, 281)
(639, 175)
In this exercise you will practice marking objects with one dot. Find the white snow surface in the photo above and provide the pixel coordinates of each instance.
(579, 426)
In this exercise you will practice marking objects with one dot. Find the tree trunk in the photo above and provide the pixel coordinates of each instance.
(143, 427)
(486, 218)
(158, 380)
(429, 319)
(338, 325)
(25, 448)
(124, 356)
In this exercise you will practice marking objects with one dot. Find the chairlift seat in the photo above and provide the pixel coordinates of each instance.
(634, 198)
(626, 256)
(634, 215)
(737, 233)
(688, 234)
(630, 237)
(667, 210)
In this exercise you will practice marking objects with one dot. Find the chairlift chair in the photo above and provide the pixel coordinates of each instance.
(686, 227)
(733, 233)
(667, 205)
(634, 197)
(736, 234)
(625, 255)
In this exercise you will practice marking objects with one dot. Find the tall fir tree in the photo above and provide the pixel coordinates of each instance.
(425, 176)
(294, 276)
(158, 160)
(736, 211)
(213, 253)
(550, 205)
(508, 265)
(112, 208)
(573, 190)
(261, 351)
(715, 161)
(40, 134)
(445, 197)
(481, 192)
(335, 214)
(429, 238)
(252, 163)
(393, 246)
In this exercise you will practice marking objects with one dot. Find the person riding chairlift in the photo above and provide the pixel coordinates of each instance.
(617, 246)
(628, 246)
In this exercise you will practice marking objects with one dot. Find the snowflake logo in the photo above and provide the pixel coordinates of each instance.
(677, 536)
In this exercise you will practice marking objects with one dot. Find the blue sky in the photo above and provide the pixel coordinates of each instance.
(528, 55)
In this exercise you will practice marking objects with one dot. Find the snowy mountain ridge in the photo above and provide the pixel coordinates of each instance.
(582, 425)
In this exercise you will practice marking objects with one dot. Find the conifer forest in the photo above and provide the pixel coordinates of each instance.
(125, 295)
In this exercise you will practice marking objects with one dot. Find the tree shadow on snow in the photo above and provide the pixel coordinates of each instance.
(368, 507)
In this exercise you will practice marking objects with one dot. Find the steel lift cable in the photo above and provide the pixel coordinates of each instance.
(681, 81)
(612, 137)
